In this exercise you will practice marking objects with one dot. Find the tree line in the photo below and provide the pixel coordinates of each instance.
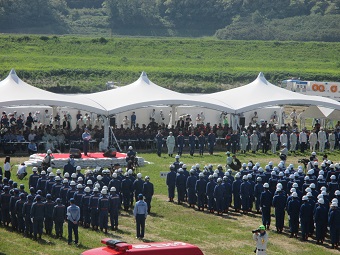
(229, 19)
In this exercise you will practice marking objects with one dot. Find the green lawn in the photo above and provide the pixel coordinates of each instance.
(215, 235)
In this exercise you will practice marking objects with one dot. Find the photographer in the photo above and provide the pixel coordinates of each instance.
(261, 238)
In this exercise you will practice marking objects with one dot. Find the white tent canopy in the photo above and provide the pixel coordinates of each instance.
(15, 92)
(144, 93)
(261, 93)
(320, 112)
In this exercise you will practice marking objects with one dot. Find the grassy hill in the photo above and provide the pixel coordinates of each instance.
(215, 235)
(85, 64)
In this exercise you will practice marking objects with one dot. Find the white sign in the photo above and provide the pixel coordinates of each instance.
(163, 174)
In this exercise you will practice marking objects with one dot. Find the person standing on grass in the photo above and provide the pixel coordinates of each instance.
(140, 212)
(261, 239)
(170, 143)
(86, 136)
(73, 216)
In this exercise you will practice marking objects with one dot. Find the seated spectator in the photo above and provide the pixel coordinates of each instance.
(32, 148)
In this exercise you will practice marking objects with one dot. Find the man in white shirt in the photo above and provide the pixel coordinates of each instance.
(21, 173)
(303, 140)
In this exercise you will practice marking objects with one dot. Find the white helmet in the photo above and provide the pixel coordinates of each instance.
(312, 185)
(320, 177)
(313, 153)
(215, 175)
(74, 175)
(294, 194)
(34, 169)
(333, 177)
(58, 171)
(87, 189)
(323, 188)
(321, 201)
(309, 194)
(278, 189)
(80, 179)
(304, 198)
(321, 172)
(130, 148)
(249, 176)
(266, 185)
(219, 180)
(292, 190)
(57, 178)
(139, 175)
(245, 177)
(89, 182)
(295, 185)
(112, 189)
(244, 165)
(114, 175)
(51, 175)
(105, 187)
(282, 174)
(104, 191)
(49, 151)
(79, 186)
(260, 169)
(279, 185)
(66, 175)
(43, 172)
(259, 179)
(78, 168)
(270, 163)
(308, 190)
(337, 192)
(65, 181)
(49, 169)
(97, 185)
(334, 204)
(95, 189)
(99, 177)
(73, 183)
(130, 171)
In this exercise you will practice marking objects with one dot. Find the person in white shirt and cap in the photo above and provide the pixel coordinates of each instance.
(273, 141)
(322, 139)
(170, 143)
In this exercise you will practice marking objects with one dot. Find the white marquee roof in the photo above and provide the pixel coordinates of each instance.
(261, 93)
(143, 93)
(15, 92)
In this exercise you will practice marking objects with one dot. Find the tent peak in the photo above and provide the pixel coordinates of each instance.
(262, 78)
(144, 77)
(14, 75)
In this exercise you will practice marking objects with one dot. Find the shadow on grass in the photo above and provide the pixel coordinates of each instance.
(156, 215)
(123, 232)
(147, 241)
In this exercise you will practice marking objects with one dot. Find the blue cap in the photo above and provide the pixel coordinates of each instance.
(140, 196)
(72, 200)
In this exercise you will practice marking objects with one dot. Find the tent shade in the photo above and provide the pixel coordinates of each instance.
(15, 92)
(143, 93)
(261, 93)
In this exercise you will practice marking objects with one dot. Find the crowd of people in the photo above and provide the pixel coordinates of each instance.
(94, 198)
(310, 200)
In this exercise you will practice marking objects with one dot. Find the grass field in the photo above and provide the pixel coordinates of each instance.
(74, 64)
(215, 235)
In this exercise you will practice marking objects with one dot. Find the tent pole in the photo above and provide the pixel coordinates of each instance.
(106, 131)
(173, 114)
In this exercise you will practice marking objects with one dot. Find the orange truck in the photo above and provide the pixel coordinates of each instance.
(115, 247)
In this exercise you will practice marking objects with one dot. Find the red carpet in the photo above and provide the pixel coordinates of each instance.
(89, 155)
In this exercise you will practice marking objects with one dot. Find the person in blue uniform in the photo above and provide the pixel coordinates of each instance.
(200, 189)
(265, 203)
(334, 224)
(210, 194)
(245, 194)
(148, 191)
(320, 219)
(171, 183)
(201, 143)
(211, 142)
(219, 196)
(41, 183)
(126, 190)
(58, 215)
(190, 186)
(19, 212)
(93, 205)
(33, 179)
(49, 206)
(293, 210)
(192, 143)
(279, 203)
(137, 186)
(236, 192)
(228, 193)
(103, 209)
(180, 143)
(140, 212)
(85, 207)
(12, 202)
(159, 143)
(305, 217)
(73, 216)
(26, 211)
(258, 189)
(114, 208)
(180, 185)
(38, 215)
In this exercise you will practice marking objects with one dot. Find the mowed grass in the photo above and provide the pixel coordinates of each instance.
(87, 62)
(215, 235)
